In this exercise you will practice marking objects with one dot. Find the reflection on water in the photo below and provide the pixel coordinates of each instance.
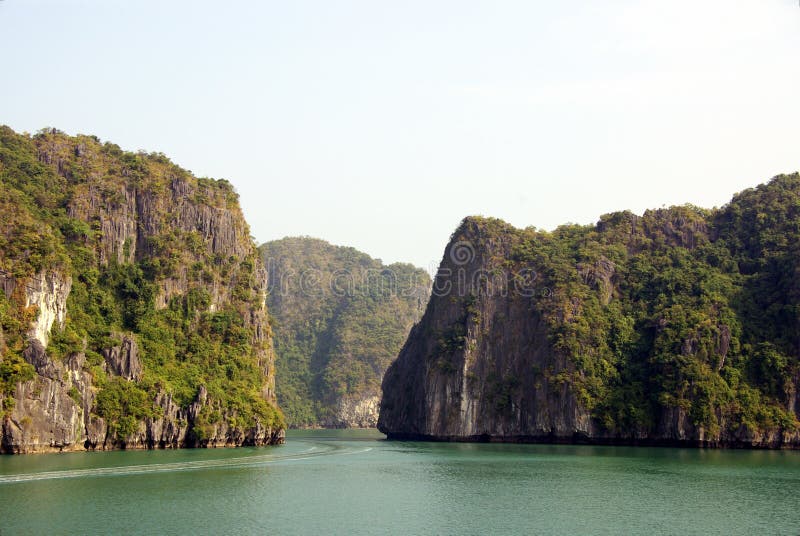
(354, 482)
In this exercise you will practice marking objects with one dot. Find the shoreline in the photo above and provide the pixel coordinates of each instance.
(580, 439)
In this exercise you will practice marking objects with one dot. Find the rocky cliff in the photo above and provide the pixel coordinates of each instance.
(341, 317)
(132, 311)
(678, 327)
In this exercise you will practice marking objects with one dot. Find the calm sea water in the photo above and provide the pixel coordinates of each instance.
(354, 482)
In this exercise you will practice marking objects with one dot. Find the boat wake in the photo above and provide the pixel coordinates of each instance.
(315, 451)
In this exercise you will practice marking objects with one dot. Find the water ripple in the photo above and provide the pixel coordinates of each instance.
(317, 450)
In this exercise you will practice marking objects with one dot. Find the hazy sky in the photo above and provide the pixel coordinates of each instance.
(382, 124)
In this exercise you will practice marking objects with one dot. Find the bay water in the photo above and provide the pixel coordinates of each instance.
(355, 482)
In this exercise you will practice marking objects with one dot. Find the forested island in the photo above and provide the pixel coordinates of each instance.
(677, 327)
(340, 318)
(137, 312)
(132, 310)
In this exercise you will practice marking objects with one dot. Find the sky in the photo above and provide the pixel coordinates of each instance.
(380, 125)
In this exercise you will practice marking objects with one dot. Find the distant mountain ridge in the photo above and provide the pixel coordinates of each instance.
(340, 317)
(680, 327)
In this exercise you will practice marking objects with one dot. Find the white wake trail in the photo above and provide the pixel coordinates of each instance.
(227, 463)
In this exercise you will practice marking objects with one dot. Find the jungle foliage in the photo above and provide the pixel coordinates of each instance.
(340, 318)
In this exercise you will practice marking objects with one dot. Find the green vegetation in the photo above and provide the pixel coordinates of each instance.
(681, 308)
(123, 404)
(340, 318)
(65, 204)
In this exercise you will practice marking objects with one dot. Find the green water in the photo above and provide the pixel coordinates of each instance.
(354, 482)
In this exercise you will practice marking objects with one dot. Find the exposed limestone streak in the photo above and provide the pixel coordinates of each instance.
(48, 292)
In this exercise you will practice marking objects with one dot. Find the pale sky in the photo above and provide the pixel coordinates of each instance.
(380, 125)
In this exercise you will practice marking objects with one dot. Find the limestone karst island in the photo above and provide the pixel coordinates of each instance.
(413, 268)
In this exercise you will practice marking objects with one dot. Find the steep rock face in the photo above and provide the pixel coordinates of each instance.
(46, 292)
(133, 311)
(461, 372)
(123, 360)
(131, 222)
(44, 416)
(354, 412)
(678, 327)
(52, 411)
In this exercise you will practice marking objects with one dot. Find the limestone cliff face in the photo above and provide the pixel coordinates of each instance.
(47, 292)
(353, 412)
(633, 331)
(133, 269)
(132, 220)
(471, 369)
(53, 412)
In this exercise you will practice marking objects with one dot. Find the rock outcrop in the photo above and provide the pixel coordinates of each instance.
(640, 330)
(123, 360)
(351, 412)
(471, 369)
(53, 410)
